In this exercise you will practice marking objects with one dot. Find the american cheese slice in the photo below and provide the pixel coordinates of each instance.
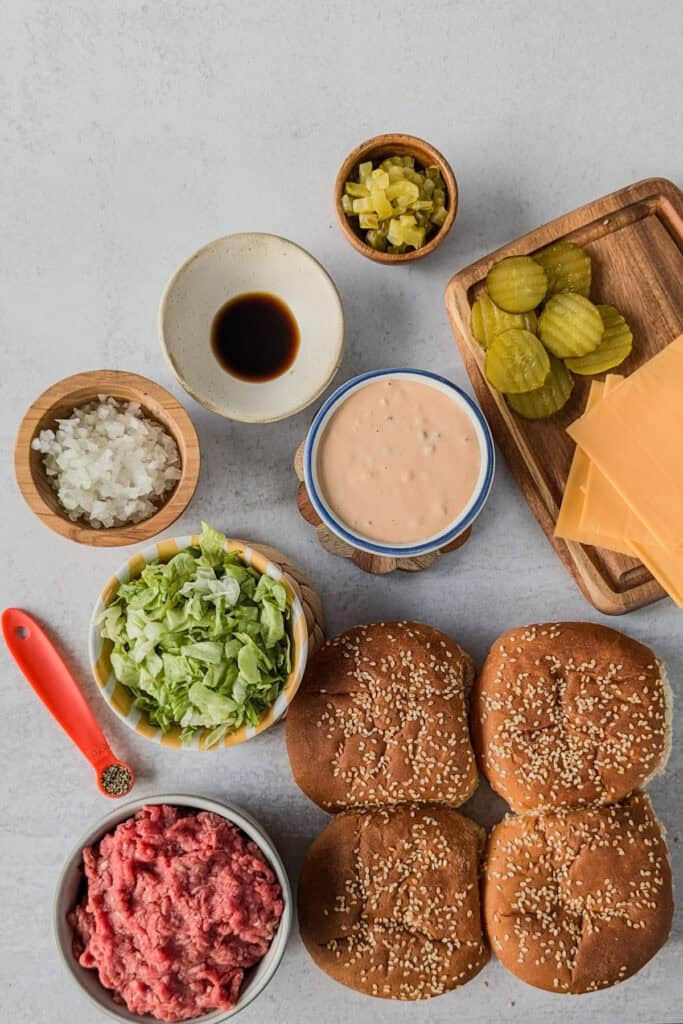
(569, 519)
(605, 516)
(609, 519)
(666, 566)
(635, 437)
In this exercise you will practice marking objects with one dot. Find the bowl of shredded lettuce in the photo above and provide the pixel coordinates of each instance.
(199, 642)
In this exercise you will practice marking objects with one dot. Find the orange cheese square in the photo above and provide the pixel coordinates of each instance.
(665, 565)
(605, 515)
(569, 519)
(635, 438)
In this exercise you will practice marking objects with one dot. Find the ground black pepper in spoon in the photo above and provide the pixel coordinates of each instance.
(116, 780)
(44, 668)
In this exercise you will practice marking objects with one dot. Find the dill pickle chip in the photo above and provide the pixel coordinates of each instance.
(517, 284)
(477, 324)
(488, 320)
(615, 346)
(549, 398)
(516, 362)
(570, 325)
(567, 267)
(530, 321)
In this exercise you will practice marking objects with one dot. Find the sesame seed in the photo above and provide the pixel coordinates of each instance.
(397, 729)
(571, 729)
(548, 911)
(401, 918)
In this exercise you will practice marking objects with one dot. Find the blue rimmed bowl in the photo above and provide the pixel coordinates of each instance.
(468, 514)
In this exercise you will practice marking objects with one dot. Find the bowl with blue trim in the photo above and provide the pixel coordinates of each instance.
(451, 531)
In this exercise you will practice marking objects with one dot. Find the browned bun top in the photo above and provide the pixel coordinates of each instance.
(569, 713)
(380, 718)
(389, 901)
(578, 900)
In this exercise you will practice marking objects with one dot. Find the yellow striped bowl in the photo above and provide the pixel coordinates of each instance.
(121, 700)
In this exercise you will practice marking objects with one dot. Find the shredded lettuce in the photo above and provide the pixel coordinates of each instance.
(201, 641)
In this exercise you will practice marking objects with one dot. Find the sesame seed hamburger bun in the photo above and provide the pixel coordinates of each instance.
(389, 901)
(570, 714)
(578, 900)
(380, 718)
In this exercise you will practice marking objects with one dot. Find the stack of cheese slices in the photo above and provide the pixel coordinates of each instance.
(625, 486)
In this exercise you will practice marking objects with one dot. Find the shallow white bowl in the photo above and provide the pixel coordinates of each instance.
(229, 267)
(480, 493)
(71, 876)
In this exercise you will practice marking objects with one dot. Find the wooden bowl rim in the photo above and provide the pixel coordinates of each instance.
(378, 145)
(106, 382)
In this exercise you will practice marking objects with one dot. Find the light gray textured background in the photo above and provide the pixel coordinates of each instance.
(131, 133)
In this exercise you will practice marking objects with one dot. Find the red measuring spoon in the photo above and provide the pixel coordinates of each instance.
(42, 664)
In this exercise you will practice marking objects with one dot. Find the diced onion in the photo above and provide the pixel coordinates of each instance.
(109, 463)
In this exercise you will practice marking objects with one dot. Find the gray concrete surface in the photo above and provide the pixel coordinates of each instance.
(130, 134)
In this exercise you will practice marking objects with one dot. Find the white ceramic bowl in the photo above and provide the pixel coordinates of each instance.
(470, 512)
(120, 700)
(70, 879)
(231, 266)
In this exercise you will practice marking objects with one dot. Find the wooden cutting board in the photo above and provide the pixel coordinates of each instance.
(635, 240)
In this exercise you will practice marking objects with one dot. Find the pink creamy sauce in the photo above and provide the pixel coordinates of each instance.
(177, 907)
(398, 461)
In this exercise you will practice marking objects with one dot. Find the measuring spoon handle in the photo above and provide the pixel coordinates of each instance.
(44, 668)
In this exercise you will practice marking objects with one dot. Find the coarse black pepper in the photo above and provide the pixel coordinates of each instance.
(116, 780)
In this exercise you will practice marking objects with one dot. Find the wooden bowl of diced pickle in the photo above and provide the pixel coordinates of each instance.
(396, 198)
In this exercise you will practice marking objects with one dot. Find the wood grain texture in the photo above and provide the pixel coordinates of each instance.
(58, 402)
(376, 565)
(635, 240)
(376, 149)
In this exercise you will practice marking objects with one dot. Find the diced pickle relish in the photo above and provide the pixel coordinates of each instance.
(398, 205)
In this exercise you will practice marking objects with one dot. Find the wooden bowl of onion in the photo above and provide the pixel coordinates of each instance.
(396, 198)
(107, 458)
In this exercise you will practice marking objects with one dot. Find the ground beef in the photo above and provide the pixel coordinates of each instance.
(177, 906)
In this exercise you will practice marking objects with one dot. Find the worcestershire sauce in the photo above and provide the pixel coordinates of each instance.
(255, 337)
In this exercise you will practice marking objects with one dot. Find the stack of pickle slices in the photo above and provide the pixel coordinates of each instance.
(397, 204)
(538, 327)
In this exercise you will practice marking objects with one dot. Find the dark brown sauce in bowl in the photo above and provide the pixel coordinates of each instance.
(255, 337)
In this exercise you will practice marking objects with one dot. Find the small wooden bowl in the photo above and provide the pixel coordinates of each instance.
(57, 403)
(376, 149)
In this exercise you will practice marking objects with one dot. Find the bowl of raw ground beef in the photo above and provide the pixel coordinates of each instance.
(173, 908)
